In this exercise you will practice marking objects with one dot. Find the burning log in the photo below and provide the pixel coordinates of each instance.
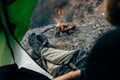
(60, 30)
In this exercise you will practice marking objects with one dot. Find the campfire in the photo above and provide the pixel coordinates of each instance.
(61, 27)
(64, 29)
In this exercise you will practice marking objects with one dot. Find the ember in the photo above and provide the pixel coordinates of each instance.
(67, 29)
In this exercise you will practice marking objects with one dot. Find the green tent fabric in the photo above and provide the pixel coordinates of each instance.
(20, 13)
(12, 53)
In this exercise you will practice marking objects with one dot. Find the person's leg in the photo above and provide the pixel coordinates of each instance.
(78, 61)
(49, 57)
(57, 56)
(42, 47)
(52, 59)
(37, 43)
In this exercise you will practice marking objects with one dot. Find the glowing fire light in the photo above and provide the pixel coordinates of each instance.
(61, 27)
(58, 11)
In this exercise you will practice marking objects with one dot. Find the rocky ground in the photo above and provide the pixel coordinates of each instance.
(87, 15)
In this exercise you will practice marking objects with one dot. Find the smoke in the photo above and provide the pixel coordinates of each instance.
(45, 12)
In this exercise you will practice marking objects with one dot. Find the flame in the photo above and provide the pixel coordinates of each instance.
(60, 25)
(58, 11)
(69, 27)
(65, 27)
(57, 19)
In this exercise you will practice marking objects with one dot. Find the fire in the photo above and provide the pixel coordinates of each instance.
(57, 19)
(61, 27)
(58, 11)
(65, 27)
(69, 27)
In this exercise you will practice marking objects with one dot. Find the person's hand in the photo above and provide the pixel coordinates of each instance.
(60, 78)
(73, 75)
